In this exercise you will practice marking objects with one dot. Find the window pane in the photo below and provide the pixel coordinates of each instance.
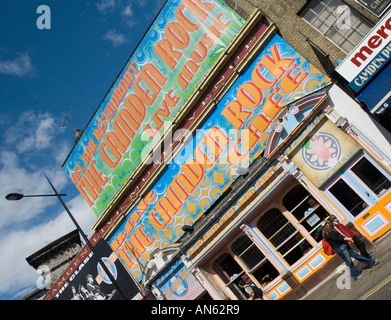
(225, 266)
(297, 201)
(265, 273)
(323, 22)
(360, 27)
(290, 244)
(275, 226)
(337, 22)
(372, 177)
(283, 235)
(247, 252)
(297, 251)
(348, 197)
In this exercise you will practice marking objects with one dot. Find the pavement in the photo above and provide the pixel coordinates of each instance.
(374, 285)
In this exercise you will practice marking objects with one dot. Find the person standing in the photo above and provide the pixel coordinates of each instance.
(340, 245)
(350, 234)
(253, 292)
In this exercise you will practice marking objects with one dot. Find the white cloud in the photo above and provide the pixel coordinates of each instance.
(27, 153)
(106, 6)
(16, 275)
(128, 12)
(142, 3)
(20, 66)
(17, 178)
(32, 131)
(116, 38)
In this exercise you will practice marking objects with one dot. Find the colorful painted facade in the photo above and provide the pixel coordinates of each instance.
(233, 136)
(275, 240)
(269, 150)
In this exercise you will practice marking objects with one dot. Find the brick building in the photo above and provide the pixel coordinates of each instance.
(53, 259)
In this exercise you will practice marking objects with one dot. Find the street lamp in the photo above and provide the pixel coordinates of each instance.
(19, 196)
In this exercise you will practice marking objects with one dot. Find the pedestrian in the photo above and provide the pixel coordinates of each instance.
(252, 291)
(350, 234)
(341, 247)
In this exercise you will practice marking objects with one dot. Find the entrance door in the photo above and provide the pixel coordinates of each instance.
(362, 190)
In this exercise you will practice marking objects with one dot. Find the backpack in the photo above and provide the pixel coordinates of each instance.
(327, 248)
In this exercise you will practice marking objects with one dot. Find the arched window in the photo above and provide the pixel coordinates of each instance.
(296, 201)
(283, 235)
(247, 252)
(307, 211)
(229, 270)
(254, 260)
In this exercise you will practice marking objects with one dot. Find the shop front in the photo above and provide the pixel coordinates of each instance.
(272, 237)
(346, 157)
(272, 241)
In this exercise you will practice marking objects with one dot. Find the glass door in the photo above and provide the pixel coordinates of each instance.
(353, 198)
(362, 190)
(360, 186)
(372, 177)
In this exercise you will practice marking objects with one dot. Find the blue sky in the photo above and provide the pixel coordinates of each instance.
(43, 73)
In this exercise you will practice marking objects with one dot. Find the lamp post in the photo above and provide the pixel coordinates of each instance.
(19, 196)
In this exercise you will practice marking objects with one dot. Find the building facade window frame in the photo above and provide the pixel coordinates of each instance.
(288, 238)
(305, 210)
(250, 271)
(348, 177)
(342, 23)
(256, 240)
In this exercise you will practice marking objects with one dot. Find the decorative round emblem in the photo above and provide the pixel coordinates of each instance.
(294, 110)
(112, 268)
(177, 285)
(321, 151)
(278, 127)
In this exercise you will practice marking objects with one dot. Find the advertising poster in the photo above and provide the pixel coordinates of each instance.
(233, 136)
(90, 282)
(177, 51)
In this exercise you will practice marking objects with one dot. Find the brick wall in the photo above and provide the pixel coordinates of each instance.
(285, 14)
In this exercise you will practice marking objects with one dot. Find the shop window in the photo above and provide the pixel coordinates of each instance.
(338, 22)
(360, 186)
(265, 273)
(230, 272)
(307, 211)
(254, 260)
(348, 197)
(283, 235)
(226, 267)
(371, 176)
(247, 252)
